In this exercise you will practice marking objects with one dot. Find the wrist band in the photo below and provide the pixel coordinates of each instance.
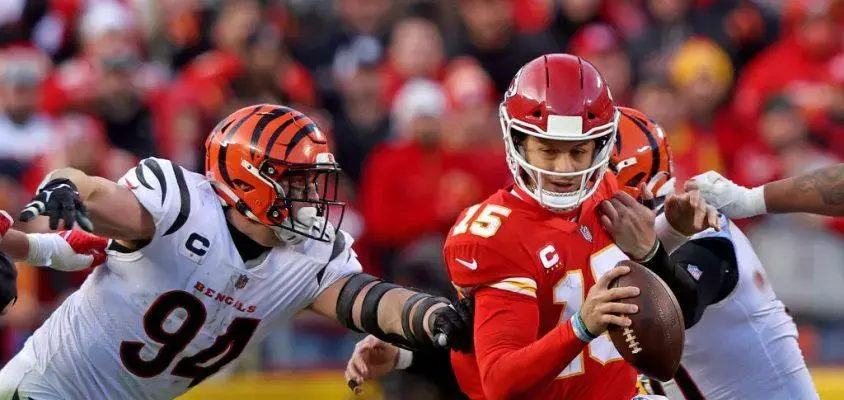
(405, 359)
(580, 330)
(755, 201)
(651, 253)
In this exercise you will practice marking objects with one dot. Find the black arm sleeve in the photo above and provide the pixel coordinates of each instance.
(711, 262)
(413, 336)
(700, 272)
(435, 365)
(678, 279)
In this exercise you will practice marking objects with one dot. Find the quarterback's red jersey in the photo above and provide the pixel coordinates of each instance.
(530, 270)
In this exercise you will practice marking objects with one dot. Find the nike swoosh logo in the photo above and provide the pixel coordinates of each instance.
(471, 265)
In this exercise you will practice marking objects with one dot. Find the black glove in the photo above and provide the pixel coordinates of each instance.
(466, 308)
(58, 199)
(452, 326)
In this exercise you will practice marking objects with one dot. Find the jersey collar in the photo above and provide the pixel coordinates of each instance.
(564, 221)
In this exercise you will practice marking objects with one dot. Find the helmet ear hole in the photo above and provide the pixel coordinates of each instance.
(276, 214)
(590, 115)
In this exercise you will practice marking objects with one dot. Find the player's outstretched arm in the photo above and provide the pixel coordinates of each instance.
(65, 251)
(393, 313)
(68, 195)
(818, 192)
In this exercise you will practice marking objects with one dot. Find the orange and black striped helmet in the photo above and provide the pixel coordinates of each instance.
(267, 161)
(642, 155)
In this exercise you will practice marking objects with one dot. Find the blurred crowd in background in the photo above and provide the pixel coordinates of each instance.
(408, 92)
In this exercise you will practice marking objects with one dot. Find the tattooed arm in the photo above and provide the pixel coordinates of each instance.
(818, 192)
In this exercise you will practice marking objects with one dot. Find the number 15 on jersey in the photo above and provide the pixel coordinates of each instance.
(485, 225)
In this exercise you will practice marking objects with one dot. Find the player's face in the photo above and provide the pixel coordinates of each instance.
(301, 186)
(559, 156)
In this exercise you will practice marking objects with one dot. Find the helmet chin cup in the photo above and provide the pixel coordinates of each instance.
(306, 224)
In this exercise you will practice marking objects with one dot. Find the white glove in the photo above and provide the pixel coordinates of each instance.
(732, 200)
(649, 397)
(66, 251)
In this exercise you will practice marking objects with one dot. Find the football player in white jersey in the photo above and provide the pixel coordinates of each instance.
(740, 342)
(202, 266)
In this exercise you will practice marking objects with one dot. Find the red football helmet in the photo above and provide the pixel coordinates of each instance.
(642, 155)
(559, 97)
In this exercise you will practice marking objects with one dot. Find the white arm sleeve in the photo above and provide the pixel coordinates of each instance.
(52, 250)
(162, 190)
(344, 263)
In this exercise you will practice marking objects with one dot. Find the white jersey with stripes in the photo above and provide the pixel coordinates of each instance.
(153, 323)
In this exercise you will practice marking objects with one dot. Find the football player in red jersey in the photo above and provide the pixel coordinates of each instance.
(535, 256)
(640, 157)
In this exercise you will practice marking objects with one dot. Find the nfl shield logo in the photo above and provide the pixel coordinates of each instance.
(586, 234)
(241, 282)
(694, 271)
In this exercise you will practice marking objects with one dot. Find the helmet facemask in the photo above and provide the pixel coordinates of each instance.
(305, 200)
(530, 178)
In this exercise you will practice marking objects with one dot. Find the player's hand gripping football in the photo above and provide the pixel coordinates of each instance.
(59, 200)
(630, 223)
(601, 307)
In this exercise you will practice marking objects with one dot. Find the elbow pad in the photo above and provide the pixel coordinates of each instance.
(709, 266)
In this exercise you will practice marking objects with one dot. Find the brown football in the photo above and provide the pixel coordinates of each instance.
(653, 344)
